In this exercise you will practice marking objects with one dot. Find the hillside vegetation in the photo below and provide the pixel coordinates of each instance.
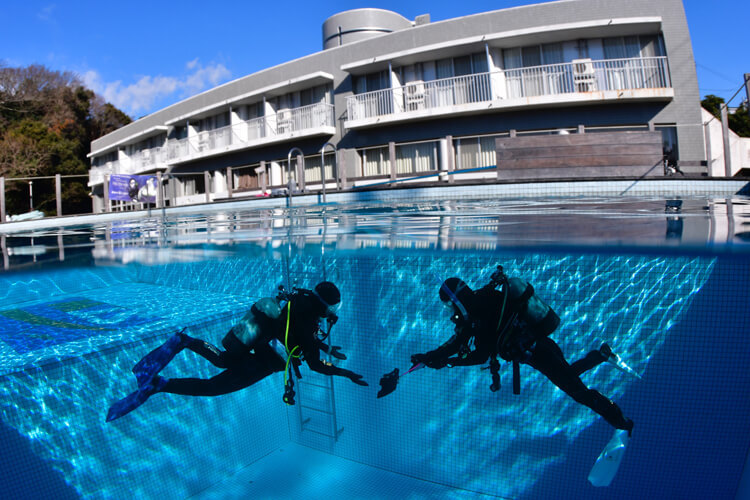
(47, 122)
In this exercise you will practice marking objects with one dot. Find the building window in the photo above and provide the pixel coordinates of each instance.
(375, 162)
(460, 66)
(416, 158)
(371, 82)
(475, 152)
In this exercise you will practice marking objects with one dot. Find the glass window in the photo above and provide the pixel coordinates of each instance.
(512, 58)
(375, 162)
(479, 63)
(475, 152)
(462, 65)
(552, 53)
(415, 158)
(444, 68)
(531, 56)
(614, 48)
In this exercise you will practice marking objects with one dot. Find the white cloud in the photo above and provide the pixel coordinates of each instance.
(46, 13)
(149, 91)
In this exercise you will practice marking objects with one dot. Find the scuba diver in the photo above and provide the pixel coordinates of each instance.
(269, 339)
(506, 318)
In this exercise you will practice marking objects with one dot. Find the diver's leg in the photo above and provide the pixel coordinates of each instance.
(236, 377)
(591, 360)
(210, 352)
(548, 359)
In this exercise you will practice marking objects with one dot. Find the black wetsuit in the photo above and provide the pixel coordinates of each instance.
(243, 367)
(476, 339)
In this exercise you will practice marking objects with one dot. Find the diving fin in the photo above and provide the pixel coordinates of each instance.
(155, 361)
(135, 399)
(617, 362)
(620, 365)
(606, 466)
(389, 381)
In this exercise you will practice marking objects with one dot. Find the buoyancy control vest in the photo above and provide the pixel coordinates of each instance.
(531, 319)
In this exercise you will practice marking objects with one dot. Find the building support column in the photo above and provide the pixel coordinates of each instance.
(392, 159)
(450, 160)
(2, 200)
(709, 156)
(230, 181)
(105, 193)
(159, 191)
(727, 147)
(58, 195)
(207, 182)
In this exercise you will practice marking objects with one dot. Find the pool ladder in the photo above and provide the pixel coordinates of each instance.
(316, 406)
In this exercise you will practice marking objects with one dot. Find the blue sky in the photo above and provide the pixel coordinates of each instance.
(143, 56)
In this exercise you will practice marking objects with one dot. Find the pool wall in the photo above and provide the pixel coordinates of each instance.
(679, 320)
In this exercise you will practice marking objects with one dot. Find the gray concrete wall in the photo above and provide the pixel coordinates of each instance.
(683, 110)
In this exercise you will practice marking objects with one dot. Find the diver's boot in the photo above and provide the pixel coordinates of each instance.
(616, 361)
(156, 360)
(629, 427)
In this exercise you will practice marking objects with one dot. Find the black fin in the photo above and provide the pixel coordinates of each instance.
(388, 383)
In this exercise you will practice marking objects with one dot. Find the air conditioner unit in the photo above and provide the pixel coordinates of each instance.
(584, 75)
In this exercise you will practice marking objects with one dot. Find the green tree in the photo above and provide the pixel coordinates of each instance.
(739, 121)
(713, 104)
(47, 122)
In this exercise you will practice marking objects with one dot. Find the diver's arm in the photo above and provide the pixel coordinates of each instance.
(333, 351)
(476, 357)
(438, 358)
(317, 365)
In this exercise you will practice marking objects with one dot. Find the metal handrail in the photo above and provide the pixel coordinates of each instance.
(323, 167)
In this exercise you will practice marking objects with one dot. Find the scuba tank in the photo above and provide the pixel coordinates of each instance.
(257, 325)
(537, 316)
(531, 318)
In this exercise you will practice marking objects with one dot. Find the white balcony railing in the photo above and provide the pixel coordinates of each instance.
(583, 75)
(147, 159)
(96, 174)
(251, 132)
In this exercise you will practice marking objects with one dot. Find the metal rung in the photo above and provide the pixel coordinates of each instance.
(314, 385)
(323, 433)
(316, 409)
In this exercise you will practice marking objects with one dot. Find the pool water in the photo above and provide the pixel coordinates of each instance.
(667, 289)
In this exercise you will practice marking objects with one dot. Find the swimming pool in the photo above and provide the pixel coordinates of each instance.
(662, 279)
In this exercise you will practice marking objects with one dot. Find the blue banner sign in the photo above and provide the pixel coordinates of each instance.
(141, 188)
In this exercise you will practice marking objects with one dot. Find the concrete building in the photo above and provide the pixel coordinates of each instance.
(389, 99)
(739, 148)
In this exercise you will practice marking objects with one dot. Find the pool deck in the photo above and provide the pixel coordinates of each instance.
(670, 187)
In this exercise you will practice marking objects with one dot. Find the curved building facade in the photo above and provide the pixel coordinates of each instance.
(360, 24)
(391, 99)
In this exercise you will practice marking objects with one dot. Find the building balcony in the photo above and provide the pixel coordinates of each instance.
(576, 82)
(148, 160)
(305, 121)
(96, 174)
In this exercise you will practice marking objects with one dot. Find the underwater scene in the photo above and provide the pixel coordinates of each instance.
(72, 330)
